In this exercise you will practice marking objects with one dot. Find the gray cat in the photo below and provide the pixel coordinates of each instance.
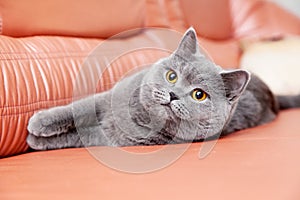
(181, 98)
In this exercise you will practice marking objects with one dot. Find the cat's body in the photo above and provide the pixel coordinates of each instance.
(181, 98)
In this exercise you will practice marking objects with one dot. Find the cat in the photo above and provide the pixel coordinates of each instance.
(181, 98)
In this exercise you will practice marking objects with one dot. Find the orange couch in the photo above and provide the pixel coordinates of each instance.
(45, 45)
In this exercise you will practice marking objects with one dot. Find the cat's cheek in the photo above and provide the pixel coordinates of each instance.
(180, 110)
(201, 111)
(145, 101)
(161, 96)
(158, 117)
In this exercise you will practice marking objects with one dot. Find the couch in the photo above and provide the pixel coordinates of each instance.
(46, 48)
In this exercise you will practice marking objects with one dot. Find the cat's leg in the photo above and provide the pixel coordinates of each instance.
(64, 140)
(80, 137)
(61, 119)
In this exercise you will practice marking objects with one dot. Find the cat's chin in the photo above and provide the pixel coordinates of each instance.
(170, 111)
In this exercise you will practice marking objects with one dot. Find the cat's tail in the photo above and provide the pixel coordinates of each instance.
(288, 101)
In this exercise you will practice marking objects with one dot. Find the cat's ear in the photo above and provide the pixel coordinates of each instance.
(235, 83)
(188, 45)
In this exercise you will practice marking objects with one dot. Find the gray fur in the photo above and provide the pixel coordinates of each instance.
(286, 102)
(146, 109)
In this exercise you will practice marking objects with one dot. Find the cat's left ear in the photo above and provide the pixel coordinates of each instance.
(188, 45)
(235, 82)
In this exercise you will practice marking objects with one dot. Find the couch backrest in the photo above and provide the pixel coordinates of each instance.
(87, 18)
(225, 19)
(262, 19)
(211, 19)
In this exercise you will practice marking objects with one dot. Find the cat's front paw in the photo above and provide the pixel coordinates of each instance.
(42, 124)
(35, 142)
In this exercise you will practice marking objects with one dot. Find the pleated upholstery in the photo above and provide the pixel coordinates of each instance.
(35, 73)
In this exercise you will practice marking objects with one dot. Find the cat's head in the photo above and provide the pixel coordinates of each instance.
(192, 93)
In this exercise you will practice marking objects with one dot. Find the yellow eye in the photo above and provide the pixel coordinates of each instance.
(171, 76)
(198, 95)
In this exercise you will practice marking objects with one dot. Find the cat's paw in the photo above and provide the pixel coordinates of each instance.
(35, 142)
(161, 96)
(43, 124)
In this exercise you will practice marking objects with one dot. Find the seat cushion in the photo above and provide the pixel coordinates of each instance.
(261, 162)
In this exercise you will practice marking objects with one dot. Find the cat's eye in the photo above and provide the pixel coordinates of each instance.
(198, 95)
(171, 76)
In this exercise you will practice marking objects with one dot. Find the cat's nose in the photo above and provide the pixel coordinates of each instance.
(173, 96)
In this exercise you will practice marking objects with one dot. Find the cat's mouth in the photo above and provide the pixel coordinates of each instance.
(168, 108)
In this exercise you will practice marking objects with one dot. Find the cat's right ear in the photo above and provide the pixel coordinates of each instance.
(235, 82)
(188, 45)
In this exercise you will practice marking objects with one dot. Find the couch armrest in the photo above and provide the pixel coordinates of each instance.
(41, 72)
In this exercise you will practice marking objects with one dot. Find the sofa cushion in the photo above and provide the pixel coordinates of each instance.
(87, 18)
(276, 62)
(258, 163)
(262, 19)
(225, 53)
(224, 19)
(35, 72)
